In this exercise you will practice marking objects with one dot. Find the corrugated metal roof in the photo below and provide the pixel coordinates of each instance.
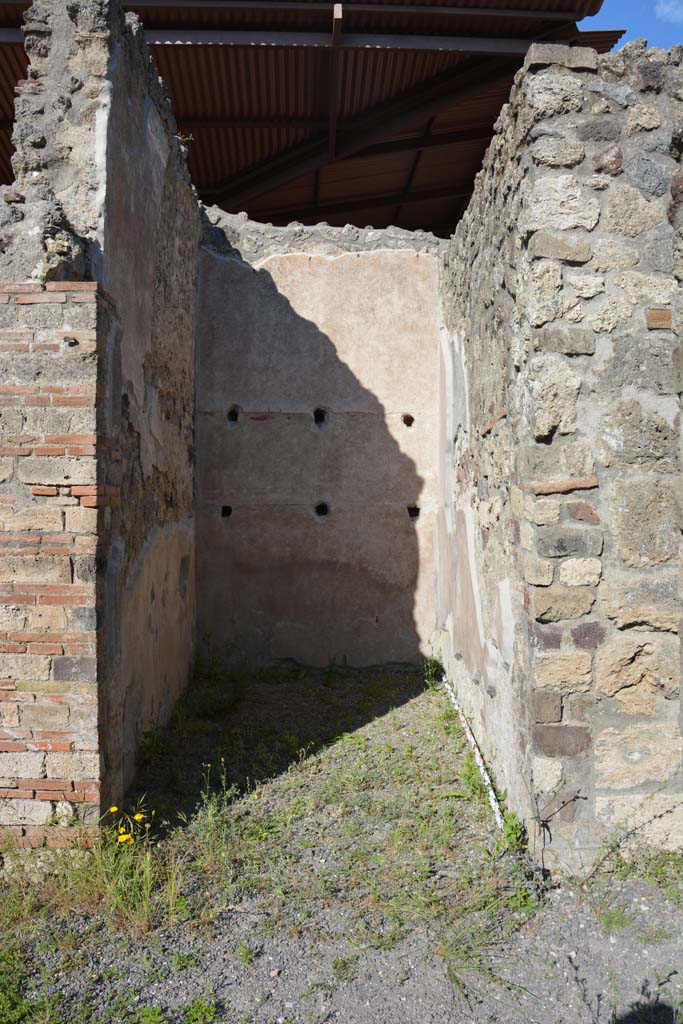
(258, 118)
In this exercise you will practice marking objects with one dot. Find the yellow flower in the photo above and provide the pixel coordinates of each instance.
(126, 837)
(122, 829)
(139, 816)
(113, 809)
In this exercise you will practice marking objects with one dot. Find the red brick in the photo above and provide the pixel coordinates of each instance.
(83, 297)
(659, 320)
(12, 649)
(16, 794)
(44, 297)
(583, 512)
(53, 746)
(562, 486)
(45, 492)
(21, 287)
(12, 747)
(74, 400)
(89, 439)
(71, 286)
(48, 450)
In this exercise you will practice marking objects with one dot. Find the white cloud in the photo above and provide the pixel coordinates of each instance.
(669, 10)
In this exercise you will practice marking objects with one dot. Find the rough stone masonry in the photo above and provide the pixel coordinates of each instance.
(487, 439)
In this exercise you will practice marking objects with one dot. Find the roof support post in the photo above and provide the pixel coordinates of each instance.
(334, 75)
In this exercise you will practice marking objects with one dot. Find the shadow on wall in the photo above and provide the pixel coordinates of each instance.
(311, 516)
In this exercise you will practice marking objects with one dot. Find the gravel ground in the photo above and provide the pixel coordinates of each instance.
(360, 880)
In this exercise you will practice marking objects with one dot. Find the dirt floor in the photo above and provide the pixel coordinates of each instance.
(321, 849)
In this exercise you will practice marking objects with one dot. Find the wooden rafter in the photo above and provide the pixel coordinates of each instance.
(321, 210)
(371, 128)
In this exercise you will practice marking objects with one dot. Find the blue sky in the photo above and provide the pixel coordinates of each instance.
(658, 21)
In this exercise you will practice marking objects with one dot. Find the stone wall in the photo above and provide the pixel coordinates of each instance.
(317, 414)
(562, 558)
(98, 241)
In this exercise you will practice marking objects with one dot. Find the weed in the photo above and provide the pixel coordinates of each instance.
(614, 919)
(344, 967)
(183, 961)
(14, 1008)
(151, 1015)
(475, 787)
(200, 1011)
(244, 954)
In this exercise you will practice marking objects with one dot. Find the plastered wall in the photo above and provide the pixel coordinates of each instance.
(317, 485)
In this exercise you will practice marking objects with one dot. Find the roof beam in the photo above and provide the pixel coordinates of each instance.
(376, 126)
(351, 41)
(361, 203)
(365, 8)
(334, 77)
(322, 6)
(6, 126)
(192, 123)
(427, 141)
(12, 36)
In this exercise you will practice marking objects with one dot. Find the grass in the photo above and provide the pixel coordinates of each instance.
(339, 807)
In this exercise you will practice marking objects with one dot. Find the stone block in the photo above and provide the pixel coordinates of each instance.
(636, 603)
(551, 604)
(642, 117)
(541, 511)
(645, 360)
(547, 706)
(54, 470)
(578, 58)
(560, 204)
(647, 289)
(599, 129)
(568, 341)
(563, 459)
(563, 541)
(545, 245)
(562, 740)
(656, 818)
(588, 635)
(75, 670)
(544, 638)
(553, 388)
(24, 667)
(568, 671)
(80, 520)
(637, 670)
(36, 517)
(78, 765)
(586, 286)
(609, 161)
(43, 716)
(630, 756)
(659, 320)
(537, 571)
(552, 94)
(630, 213)
(645, 521)
(557, 152)
(546, 773)
(580, 572)
(25, 812)
(35, 568)
(613, 254)
(648, 176)
(633, 435)
(22, 765)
